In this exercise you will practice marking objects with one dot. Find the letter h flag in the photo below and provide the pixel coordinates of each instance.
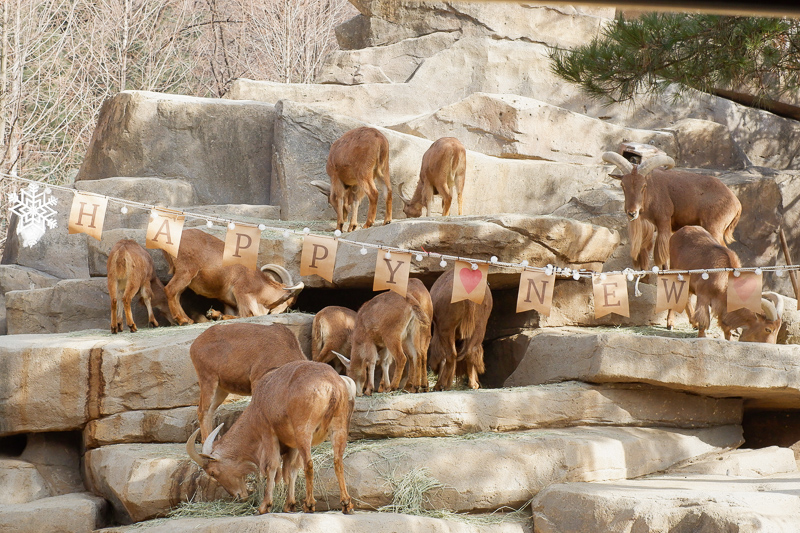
(88, 214)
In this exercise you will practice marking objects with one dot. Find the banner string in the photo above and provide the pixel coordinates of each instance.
(565, 272)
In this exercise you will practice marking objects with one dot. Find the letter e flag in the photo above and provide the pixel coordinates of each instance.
(744, 291)
(672, 293)
(535, 292)
(392, 273)
(469, 284)
(610, 295)
(241, 246)
(164, 231)
(318, 257)
(88, 214)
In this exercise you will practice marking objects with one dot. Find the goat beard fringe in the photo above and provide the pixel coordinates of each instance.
(640, 235)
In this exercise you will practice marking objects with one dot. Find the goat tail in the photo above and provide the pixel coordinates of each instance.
(317, 339)
(728, 235)
(437, 353)
(466, 328)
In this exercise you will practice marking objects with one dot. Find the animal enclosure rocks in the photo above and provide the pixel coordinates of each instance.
(148, 134)
(21, 482)
(765, 375)
(690, 502)
(69, 513)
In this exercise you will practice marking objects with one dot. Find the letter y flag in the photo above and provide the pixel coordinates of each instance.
(392, 273)
(318, 256)
(469, 284)
(88, 214)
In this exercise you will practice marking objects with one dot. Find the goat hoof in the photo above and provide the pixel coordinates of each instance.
(264, 509)
(134, 329)
(347, 507)
(290, 508)
(309, 508)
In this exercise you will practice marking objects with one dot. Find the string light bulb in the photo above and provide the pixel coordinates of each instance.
(442, 263)
(655, 270)
(388, 255)
(524, 263)
(337, 233)
(630, 276)
(124, 210)
(474, 266)
(603, 276)
(758, 272)
(231, 226)
(493, 259)
(419, 257)
(576, 275)
(261, 227)
(306, 230)
(736, 273)
(209, 224)
(704, 275)
(363, 251)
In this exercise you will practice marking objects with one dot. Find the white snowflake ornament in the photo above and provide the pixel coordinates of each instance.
(35, 211)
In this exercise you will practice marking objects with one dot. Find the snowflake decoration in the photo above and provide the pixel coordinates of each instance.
(34, 210)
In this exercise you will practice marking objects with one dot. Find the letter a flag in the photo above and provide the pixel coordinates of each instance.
(88, 214)
(744, 291)
(535, 292)
(610, 295)
(469, 284)
(318, 257)
(164, 231)
(671, 292)
(241, 246)
(392, 273)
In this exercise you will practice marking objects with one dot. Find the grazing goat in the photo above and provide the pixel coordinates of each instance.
(244, 292)
(458, 331)
(293, 408)
(691, 248)
(131, 272)
(666, 200)
(391, 330)
(356, 162)
(230, 358)
(330, 331)
(443, 168)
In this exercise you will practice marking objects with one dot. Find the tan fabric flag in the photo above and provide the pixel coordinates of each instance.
(672, 293)
(744, 291)
(88, 214)
(392, 273)
(318, 257)
(535, 292)
(610, 295)
(241, 246)
(469, 284)
(164, 231)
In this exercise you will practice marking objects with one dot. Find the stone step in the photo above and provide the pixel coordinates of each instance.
(765, 375)
(506, 469)
(69, 513)
(691, 502)
(449, 413)
(331, 522)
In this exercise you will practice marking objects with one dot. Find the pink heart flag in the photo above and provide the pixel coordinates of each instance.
(745, 286)
(470, 278)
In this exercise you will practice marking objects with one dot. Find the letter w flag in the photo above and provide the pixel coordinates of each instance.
(672, 293)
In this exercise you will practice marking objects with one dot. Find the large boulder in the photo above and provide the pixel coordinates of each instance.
(68, 513)
(146, 134)
(16, 278)
(20, 482)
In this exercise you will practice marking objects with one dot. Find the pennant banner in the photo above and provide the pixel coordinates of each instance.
(392, 273)
(164, 231)
(535, 292)
(241, 246)
(671, 292)
(318, 256)
(744, 291)
(610, 295)
(469, 284)
(88, 214)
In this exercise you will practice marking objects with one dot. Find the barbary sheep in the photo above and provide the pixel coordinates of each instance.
(443, 171)
(330, 331)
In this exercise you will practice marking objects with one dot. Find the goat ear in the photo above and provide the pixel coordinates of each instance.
(345, 361)
(616, 176)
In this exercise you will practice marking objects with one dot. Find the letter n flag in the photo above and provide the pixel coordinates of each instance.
(535, 292)
(241, 246)
(671, 292)
(392, 273)
(318, 256)
(164, 231)
(88, 214)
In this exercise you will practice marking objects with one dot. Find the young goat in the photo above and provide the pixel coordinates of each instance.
(691, 248)
(293, 408)
(130, 272)
(443, 171)
(330, 331)
(458, 331)
(230, 358)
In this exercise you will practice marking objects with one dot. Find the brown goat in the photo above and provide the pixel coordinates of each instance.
(692, 248)
(668, 200)
(458, 331)
(391, 330)
(244, 292)
(293, 408)
(131, 272)
(230, 358)
(330, 331)
(443, 171)
(356, 162)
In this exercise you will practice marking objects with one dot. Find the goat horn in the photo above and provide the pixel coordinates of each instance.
(192, 451)
(401, 191)
(620, 162)
(653, 163)
(322, 186)
(209, 443)
(776, 305)
(342, 358)
(286, 277)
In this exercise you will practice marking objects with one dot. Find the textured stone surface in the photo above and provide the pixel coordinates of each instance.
(20, 482)
(334, 522)
(672, 503)
(766, 375)
(743, 462)
(70, 513)
(57, 457)
(15, 278)
(146, 134)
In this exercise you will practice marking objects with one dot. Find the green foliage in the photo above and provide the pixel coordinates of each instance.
(703, 52)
